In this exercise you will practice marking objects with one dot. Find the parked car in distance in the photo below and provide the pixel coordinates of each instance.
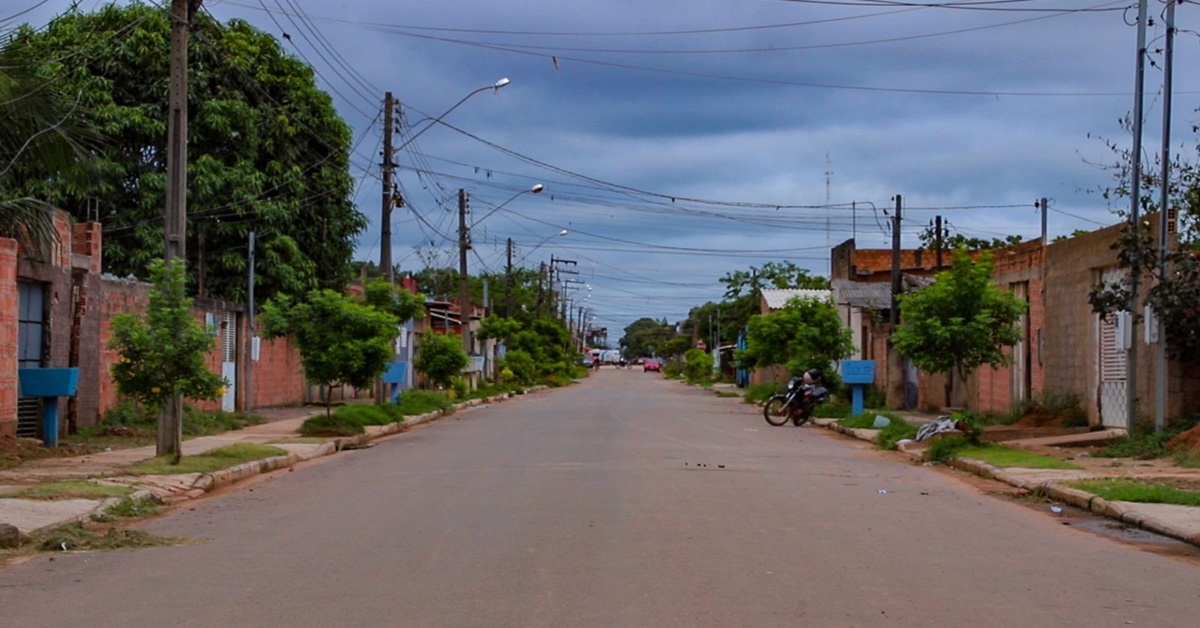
(651, 365)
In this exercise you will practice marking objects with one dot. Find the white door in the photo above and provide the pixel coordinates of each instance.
(229, 360)
(1113, 369)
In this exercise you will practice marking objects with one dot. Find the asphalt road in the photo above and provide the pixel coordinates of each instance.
(626, 500)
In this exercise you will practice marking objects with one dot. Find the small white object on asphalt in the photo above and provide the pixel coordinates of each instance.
(882, 492)
(1055, 509)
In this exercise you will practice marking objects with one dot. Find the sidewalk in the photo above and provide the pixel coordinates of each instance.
(1177, 522)
(30, 516)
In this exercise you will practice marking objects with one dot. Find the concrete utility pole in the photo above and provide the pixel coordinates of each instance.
(1044, 204)
(1135, 193)
(1160, 357)
(248, 376)
(170, 422)
(937, 239)
(386, 169)
(894, 313)
(464, 295)
(508, 283)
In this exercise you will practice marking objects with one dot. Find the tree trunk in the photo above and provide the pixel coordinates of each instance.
(170, 430)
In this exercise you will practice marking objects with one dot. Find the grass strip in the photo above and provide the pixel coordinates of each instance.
(209, 461)
(1129, 490)
(71, 489)
(1006, 457)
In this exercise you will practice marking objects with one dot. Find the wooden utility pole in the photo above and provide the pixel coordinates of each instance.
(464, 295)
(170, 422)
(385, 226)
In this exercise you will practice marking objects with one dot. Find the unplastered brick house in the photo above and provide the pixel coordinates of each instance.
(57, 311)
(1067, 348)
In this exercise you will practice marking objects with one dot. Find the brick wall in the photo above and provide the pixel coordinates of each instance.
(278, 374)
(8, 337)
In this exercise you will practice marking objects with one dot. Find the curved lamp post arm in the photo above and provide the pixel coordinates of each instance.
(539, 244)
(494, 87)
(537, 189)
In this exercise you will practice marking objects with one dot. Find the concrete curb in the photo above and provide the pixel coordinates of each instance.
(1050, 489)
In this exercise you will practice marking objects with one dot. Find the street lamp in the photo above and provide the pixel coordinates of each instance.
(545, 240)
(385, 243)
(495, 87)
(536, 189)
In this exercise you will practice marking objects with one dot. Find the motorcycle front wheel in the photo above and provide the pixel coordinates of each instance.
(775, 410)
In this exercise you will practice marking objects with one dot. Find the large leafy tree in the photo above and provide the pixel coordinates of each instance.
(41, 137)
(960, 322)
(646, 336)
(804, 334)
(267, 151)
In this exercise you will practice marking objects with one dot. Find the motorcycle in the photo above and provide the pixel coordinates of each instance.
(798, 400)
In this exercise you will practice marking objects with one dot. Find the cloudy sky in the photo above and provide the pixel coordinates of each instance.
(681, 140)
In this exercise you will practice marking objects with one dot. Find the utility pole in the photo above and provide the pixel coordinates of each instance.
(385, 225)
(1044, 204)
(894, 313)
(1160, 358)
(463, 284)
(248, 377)
(508, 283)
(937, 239)
(896, 375)
(170, 422)
(537, 311)
(1135, 194)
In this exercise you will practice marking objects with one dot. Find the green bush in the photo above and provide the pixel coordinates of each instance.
(833, 410)
(943, 448)
(460, 387)
(129, 413)
(521, 364)
(759, 393)
(331, 425)
(414, 402)
(363, 414)
(672, 369)
(698, 365)
(895, 432)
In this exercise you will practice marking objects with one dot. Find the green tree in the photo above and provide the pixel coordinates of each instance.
(402, 304)
(698, 365)
(646, 336)
(1175, 295)
(341, 341)
(162, 357)
(960, 322)
(41, 137)
(441, 358)
(804, 334)
(780, 275)
(267, 151)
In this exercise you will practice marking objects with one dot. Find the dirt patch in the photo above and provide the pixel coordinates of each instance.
(1189, 440)
(14, 451)
(1038, 417)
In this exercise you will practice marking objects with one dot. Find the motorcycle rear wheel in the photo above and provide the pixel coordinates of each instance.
(775, 411)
